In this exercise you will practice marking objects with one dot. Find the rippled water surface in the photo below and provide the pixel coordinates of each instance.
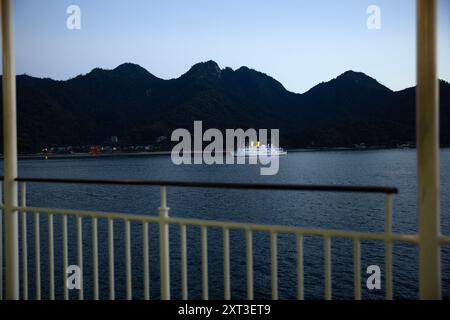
(364, 212)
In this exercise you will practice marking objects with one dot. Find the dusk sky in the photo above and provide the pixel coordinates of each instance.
(299, 43)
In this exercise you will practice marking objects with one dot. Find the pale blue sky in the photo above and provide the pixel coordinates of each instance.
(300, 43)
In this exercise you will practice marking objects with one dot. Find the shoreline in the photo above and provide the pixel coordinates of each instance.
(165, 153)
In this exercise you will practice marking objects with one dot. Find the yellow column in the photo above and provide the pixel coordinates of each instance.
(428, 151)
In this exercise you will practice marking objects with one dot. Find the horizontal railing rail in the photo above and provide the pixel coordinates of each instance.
(220, 185)
(335, 233)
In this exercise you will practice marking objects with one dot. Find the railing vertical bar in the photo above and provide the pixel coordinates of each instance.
(274, 264)
(145, 258)
(357, 268)
(164, 245)
(51, 258)
(300, 292)
(204, 262)
(24, 244)
(95, 259)
(64, 255)
(184, 274)
(226, 263)
(37, 252)
(128, 260)
(111, 259)
(388, 246)
(249, 263)
(80, 255)
(327, 259)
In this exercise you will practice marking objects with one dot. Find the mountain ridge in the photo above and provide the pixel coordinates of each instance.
(222, 69)
(138, 107)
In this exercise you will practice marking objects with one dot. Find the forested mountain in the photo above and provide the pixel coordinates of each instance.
(131, 103)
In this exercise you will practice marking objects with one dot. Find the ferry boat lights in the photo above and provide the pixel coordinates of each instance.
(189, 150)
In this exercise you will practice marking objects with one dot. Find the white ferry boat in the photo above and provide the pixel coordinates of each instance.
(259, 150)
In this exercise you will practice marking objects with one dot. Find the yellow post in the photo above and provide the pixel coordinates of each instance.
(428, 152)
(10, 153)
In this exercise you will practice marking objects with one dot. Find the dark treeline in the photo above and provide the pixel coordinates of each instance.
(138, 108)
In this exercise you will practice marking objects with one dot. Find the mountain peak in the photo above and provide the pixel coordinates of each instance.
(133, 71)
(207, 69)
(351, 79)
(130, 67)
(357, 78)
(125, 70)
(356, 75)
(207, 64)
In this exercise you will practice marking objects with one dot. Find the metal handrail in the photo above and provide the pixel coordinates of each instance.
(220, 185)
(164, 221)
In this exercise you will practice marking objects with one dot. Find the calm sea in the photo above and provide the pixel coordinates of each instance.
(364, 212)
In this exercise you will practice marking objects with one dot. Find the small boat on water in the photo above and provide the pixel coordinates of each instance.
(259, 150)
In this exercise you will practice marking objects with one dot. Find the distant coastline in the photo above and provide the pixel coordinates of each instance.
(164, 153)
